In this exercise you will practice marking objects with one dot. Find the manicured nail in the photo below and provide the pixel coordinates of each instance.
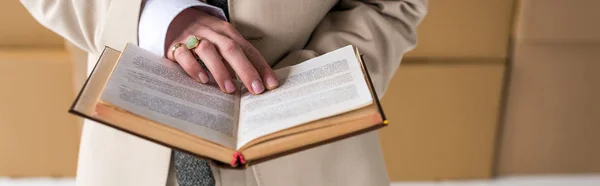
(229, 87)
(203, 77)
(257, 87)
(272, 83)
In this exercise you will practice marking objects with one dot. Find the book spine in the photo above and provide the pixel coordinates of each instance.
(238, 158)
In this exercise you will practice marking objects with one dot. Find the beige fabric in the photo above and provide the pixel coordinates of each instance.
(286, 32)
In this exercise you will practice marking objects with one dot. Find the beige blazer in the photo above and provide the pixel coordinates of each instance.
(286, 32)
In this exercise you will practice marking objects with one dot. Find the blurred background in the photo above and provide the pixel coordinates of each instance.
(498, 92)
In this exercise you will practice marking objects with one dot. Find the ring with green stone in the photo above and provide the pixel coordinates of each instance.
(192, 42)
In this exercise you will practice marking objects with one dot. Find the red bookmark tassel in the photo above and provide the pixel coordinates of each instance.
(234, 160)
(237, 156)
(242, 159)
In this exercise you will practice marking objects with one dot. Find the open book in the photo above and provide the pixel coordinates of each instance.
(324, 99)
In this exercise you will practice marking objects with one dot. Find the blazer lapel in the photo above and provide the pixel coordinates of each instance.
(121, 28)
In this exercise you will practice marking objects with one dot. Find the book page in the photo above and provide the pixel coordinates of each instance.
(325, 86)
(158, 89)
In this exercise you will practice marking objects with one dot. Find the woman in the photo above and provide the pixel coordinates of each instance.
(259, 35)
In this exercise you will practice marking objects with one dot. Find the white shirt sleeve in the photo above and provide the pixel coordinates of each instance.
(157, 16)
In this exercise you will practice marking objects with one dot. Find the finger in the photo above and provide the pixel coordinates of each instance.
(229, 69)
(212, 59)
(235, 57)
(188, 62)
(257, 59)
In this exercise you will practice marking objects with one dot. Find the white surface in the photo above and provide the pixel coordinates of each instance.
(549, 180)
(36, 181)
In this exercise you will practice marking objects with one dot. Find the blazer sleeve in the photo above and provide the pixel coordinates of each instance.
(382, 30)
(81, 22)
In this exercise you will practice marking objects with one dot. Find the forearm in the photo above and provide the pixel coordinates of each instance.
(80, 22)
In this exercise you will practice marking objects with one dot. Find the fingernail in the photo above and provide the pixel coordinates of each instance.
(229, 87)
(257, 87)
(203, 77)
(272, 82)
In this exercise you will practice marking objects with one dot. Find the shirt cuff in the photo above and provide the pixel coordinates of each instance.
(157, 15)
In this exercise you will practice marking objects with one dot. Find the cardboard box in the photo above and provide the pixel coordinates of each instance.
(19, 29)
(552, 120)
(465, 29)
(558, 21)
(37, 135)
(443, 120)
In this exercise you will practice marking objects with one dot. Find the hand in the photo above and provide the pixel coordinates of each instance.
(222, 49)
